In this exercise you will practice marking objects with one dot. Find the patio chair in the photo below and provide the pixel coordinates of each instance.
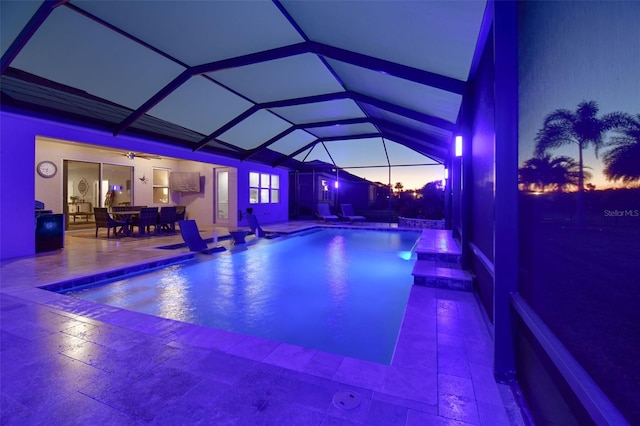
(181, 213)
(104, 220)
(347, 213)
(325, 214)
(191, 236)
(167, 221)
(147, 218)
(257, 230)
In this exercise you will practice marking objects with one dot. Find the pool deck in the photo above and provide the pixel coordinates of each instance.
(70, 361)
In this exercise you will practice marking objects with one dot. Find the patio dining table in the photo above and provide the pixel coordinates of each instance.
(126, 216)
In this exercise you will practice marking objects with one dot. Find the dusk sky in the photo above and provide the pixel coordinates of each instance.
(572, 52)
(569, 52)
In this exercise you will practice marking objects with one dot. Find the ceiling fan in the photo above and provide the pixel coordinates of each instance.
(131, 155)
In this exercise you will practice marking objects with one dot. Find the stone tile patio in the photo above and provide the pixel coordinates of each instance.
(69, 361)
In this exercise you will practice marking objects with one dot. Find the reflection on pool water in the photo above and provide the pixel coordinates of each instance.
(336, 290)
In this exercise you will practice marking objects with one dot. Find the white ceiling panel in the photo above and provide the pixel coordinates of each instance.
(201, 105)
(292, 142)
(280, 79)
(343, 130)
(417, 97)
(255, 130)
(437, 35)
(198, 32)
(100, 61)
(357, 153)
(320, 111)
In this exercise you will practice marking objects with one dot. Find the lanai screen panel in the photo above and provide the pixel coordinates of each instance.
(340, 109)
(343, 130)
(284, 78)
(416, 177)
(14, 16)
(357, 153)
(199, 32)
(255, 130)
(186, 72)
(408, 94)
(437, 133)
(201, 105)
(401, 155)
(73, 50)
(420, 34)
(317, 153)
(292, 142)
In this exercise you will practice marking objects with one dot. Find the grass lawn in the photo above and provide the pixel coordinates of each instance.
(585, 284)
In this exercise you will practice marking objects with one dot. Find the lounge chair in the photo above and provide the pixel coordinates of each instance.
(257, 230)
(325, 214)
(104, 220)
(191, 236)
(349, 214)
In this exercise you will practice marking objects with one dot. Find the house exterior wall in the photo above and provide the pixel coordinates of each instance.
(20, 185)
(306, 188)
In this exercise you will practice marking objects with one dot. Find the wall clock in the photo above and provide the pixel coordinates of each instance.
(47, 169)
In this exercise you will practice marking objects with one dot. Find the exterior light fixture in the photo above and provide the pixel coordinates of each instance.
(336, 184)
(458, 146)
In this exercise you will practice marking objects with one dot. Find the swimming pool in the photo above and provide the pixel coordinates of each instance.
(342, 291)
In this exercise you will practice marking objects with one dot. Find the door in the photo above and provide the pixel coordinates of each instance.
(221, 207)
(78, 192)
(119, 189)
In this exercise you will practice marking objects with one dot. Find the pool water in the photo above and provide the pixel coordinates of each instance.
(337, 290)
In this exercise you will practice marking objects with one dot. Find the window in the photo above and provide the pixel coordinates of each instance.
(160, 186)
(324, 194)
(264, 188)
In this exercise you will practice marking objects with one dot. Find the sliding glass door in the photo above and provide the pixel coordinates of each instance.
(222, 196)
(88, 185)
(81, 192)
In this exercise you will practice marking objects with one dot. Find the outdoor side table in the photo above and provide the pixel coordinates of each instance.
(238, 235)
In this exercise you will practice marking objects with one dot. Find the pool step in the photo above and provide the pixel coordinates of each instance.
(449, 260)
(431, 274)
(439, 246)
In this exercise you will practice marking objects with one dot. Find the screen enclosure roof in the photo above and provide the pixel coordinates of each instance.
(352, 83)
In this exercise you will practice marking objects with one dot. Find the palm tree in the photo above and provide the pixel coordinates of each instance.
(533, 175)
(550, 173)
(583, 128)
(623, 160)
(566, 172)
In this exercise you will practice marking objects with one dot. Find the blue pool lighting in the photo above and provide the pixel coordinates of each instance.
(337, 290)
